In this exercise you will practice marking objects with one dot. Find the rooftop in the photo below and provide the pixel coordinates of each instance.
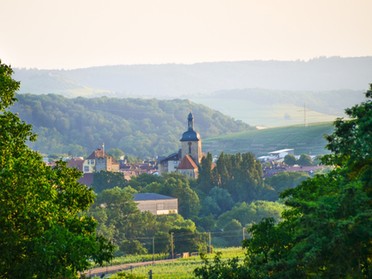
(187, 163)
(150, 196)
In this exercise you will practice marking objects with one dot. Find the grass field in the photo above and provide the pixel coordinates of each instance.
(303, 139)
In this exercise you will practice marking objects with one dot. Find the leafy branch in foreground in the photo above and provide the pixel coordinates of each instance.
(44, 229)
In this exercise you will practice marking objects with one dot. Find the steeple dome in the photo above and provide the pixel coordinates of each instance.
(190, 134)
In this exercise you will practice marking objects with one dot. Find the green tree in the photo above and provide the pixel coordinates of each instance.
(233, 231)
(217, 202)
(177, 185)
(188, 240)
(305, 160)
(106, 179)
(121, 221)
(219, 269)
(286, 180)
(205, 179)
(241, 175)
(251, 213)
(290, 159)
(44, 229)
(142, 182)
(116, 153)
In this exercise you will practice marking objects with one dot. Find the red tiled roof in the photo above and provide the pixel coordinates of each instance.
(98, 153)
(187, 163)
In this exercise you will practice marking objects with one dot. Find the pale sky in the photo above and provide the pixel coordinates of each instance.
(67, 34)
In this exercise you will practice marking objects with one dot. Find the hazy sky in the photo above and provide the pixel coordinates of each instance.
(81, 33)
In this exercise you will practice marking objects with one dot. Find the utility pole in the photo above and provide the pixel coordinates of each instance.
(153, 249)
(305, 116)
(209, 243)
(172, 246)
(243, 233)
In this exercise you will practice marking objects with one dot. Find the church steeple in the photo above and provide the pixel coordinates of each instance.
(191, 141)
(190, 121)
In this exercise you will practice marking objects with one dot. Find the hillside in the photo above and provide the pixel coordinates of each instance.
(304, 140)
(175, 80)
(261, 93)
(140, 127)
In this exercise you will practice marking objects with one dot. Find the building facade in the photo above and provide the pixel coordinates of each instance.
(156, 204)
(100, 161)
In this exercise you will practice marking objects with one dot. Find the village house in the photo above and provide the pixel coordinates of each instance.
(100, 161)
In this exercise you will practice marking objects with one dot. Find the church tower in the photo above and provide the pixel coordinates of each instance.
(191, 142)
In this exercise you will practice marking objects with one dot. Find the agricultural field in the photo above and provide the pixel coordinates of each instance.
(179, 268)
(303, 139)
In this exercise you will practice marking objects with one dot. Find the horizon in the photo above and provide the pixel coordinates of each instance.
(81, 34)
(191, 64)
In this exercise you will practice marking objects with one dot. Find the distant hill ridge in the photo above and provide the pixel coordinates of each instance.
(175, 80)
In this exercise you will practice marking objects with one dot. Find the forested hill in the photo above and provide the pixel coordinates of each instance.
(139, 127)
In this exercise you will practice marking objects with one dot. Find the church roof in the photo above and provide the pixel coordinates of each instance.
(173, 157)
(187, 163)
(190, 135)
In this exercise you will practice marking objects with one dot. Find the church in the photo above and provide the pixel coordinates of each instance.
(188, 158)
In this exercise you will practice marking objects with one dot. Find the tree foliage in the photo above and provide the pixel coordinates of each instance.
(174, 185)
(132, 231)
(285, 180)
(290, 159)
(106, 179)
(219, 269)
(44, 229)
(239, 174)
(305, 160)
(252, 213)
(326, 231)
